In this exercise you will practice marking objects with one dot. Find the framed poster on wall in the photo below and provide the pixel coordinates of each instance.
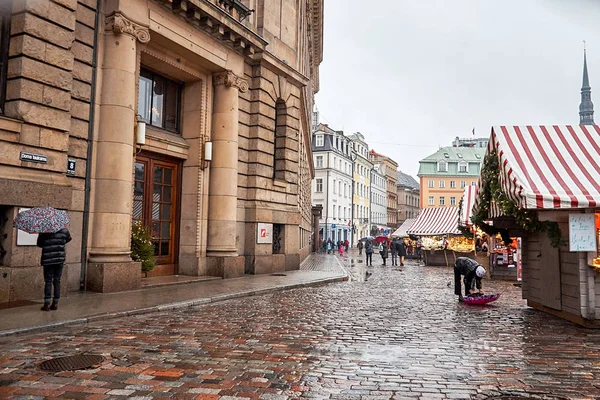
(264, 233)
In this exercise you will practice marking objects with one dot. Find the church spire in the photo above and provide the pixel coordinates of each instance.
(586, 108)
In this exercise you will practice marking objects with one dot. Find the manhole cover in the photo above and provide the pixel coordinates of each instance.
(71, 363)
(278, 274)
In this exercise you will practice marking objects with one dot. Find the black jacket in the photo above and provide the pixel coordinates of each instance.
(401, 248)
(53, 246)
(466, 267)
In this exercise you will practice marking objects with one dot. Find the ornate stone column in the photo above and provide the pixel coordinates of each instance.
(113, 176)
(222, 195)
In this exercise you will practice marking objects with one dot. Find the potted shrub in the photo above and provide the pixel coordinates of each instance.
(142, 248)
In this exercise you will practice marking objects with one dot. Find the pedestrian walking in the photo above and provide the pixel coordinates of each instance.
(394, 250)
(360, 247)
(341, 250)
(53, 259)
(402, 251)
(329, 247)
(419, 249)
(472, 272)
(369, 253)
(384, 252)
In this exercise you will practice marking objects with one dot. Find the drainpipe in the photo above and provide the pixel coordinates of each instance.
(88, 169)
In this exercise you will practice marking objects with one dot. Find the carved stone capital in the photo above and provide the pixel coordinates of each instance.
(118, 23)
(229, 79)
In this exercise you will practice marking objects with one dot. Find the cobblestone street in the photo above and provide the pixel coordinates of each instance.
(397, 333)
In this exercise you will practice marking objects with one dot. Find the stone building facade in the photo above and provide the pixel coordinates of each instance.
(408, 197)
(362, 186)
(223, 91)
(391, 167)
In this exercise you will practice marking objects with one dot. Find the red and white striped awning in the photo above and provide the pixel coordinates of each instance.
(468, 200)
(436, 221)
(548, 167)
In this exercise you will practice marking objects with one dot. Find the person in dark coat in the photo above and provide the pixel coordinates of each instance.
(360, 247)
(472, 272)
(384, 251)
(394, 250)
(53, 260)
(369, 253)
(401, 251)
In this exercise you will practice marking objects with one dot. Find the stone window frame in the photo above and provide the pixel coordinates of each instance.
(431, 201)
(452, 201)
(5, 19)
(463, 167)
(319, 162)
(442, 200)
(442, 166)
(452, 184)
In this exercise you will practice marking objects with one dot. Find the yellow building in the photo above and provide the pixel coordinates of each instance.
(362, 183)
(444, 175)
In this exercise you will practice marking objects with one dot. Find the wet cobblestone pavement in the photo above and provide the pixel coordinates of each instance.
(398, 333)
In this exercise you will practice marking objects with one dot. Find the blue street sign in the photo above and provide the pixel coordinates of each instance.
(387, 231)
(333, 226)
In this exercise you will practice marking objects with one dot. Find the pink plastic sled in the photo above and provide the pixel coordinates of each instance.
(480, 300)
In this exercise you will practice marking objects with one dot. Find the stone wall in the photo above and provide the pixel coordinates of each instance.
(47, 112)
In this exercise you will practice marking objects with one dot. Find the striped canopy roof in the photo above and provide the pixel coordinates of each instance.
(436, 221)
(466, 210)
(548, 167)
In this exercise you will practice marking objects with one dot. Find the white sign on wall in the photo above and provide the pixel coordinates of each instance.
(582, 232)
(264, 233)
(24, 238)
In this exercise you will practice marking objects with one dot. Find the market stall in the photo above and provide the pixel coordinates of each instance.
(436, 227)
(464, 246)
(402, 231)
(542, 183)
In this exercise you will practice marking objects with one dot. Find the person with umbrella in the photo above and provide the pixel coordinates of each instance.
(369, 253)
(53, 236)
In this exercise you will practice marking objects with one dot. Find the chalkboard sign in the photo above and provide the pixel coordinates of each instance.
(582, 232)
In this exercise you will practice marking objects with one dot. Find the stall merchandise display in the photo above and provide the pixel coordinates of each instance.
(461, 244)
(432, 243)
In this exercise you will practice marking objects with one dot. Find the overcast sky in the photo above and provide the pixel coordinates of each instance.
(411, 75)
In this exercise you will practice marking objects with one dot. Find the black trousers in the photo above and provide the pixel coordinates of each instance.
(52, 275)
(369, 258)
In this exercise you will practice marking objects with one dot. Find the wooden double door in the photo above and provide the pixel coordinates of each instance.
(156, 205)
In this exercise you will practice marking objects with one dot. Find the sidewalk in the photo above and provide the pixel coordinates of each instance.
(87, 307)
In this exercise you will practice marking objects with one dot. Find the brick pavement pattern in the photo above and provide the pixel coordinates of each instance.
(398, 333)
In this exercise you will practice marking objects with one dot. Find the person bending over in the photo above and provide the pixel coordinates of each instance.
(472, 272)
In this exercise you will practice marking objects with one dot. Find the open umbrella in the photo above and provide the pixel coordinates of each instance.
(367, 238)
(381, 239)
(41, 220)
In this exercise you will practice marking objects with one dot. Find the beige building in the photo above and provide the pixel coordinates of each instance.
(192, 117)
(444, 175)
(408, 197)
(391, 167)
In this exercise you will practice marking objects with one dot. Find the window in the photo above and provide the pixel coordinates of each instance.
(431, 201)
(159, 101)
(442, 201)
(319, 185)
(442, 166)
(345, 190)
(452, 184)
(463, 184)
(473, 183)
(463, 166)
(319, 141)
(452, 201)
(442, 184)
(344, 212)
(5, 14)
(431, 184)
(334, 212)
(340, 187)
(319, 163)
(334, 187)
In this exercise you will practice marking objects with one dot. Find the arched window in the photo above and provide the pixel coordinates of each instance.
(442, 166)
(279, 139)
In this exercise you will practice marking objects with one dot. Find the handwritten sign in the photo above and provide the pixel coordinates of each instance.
(582, 232)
